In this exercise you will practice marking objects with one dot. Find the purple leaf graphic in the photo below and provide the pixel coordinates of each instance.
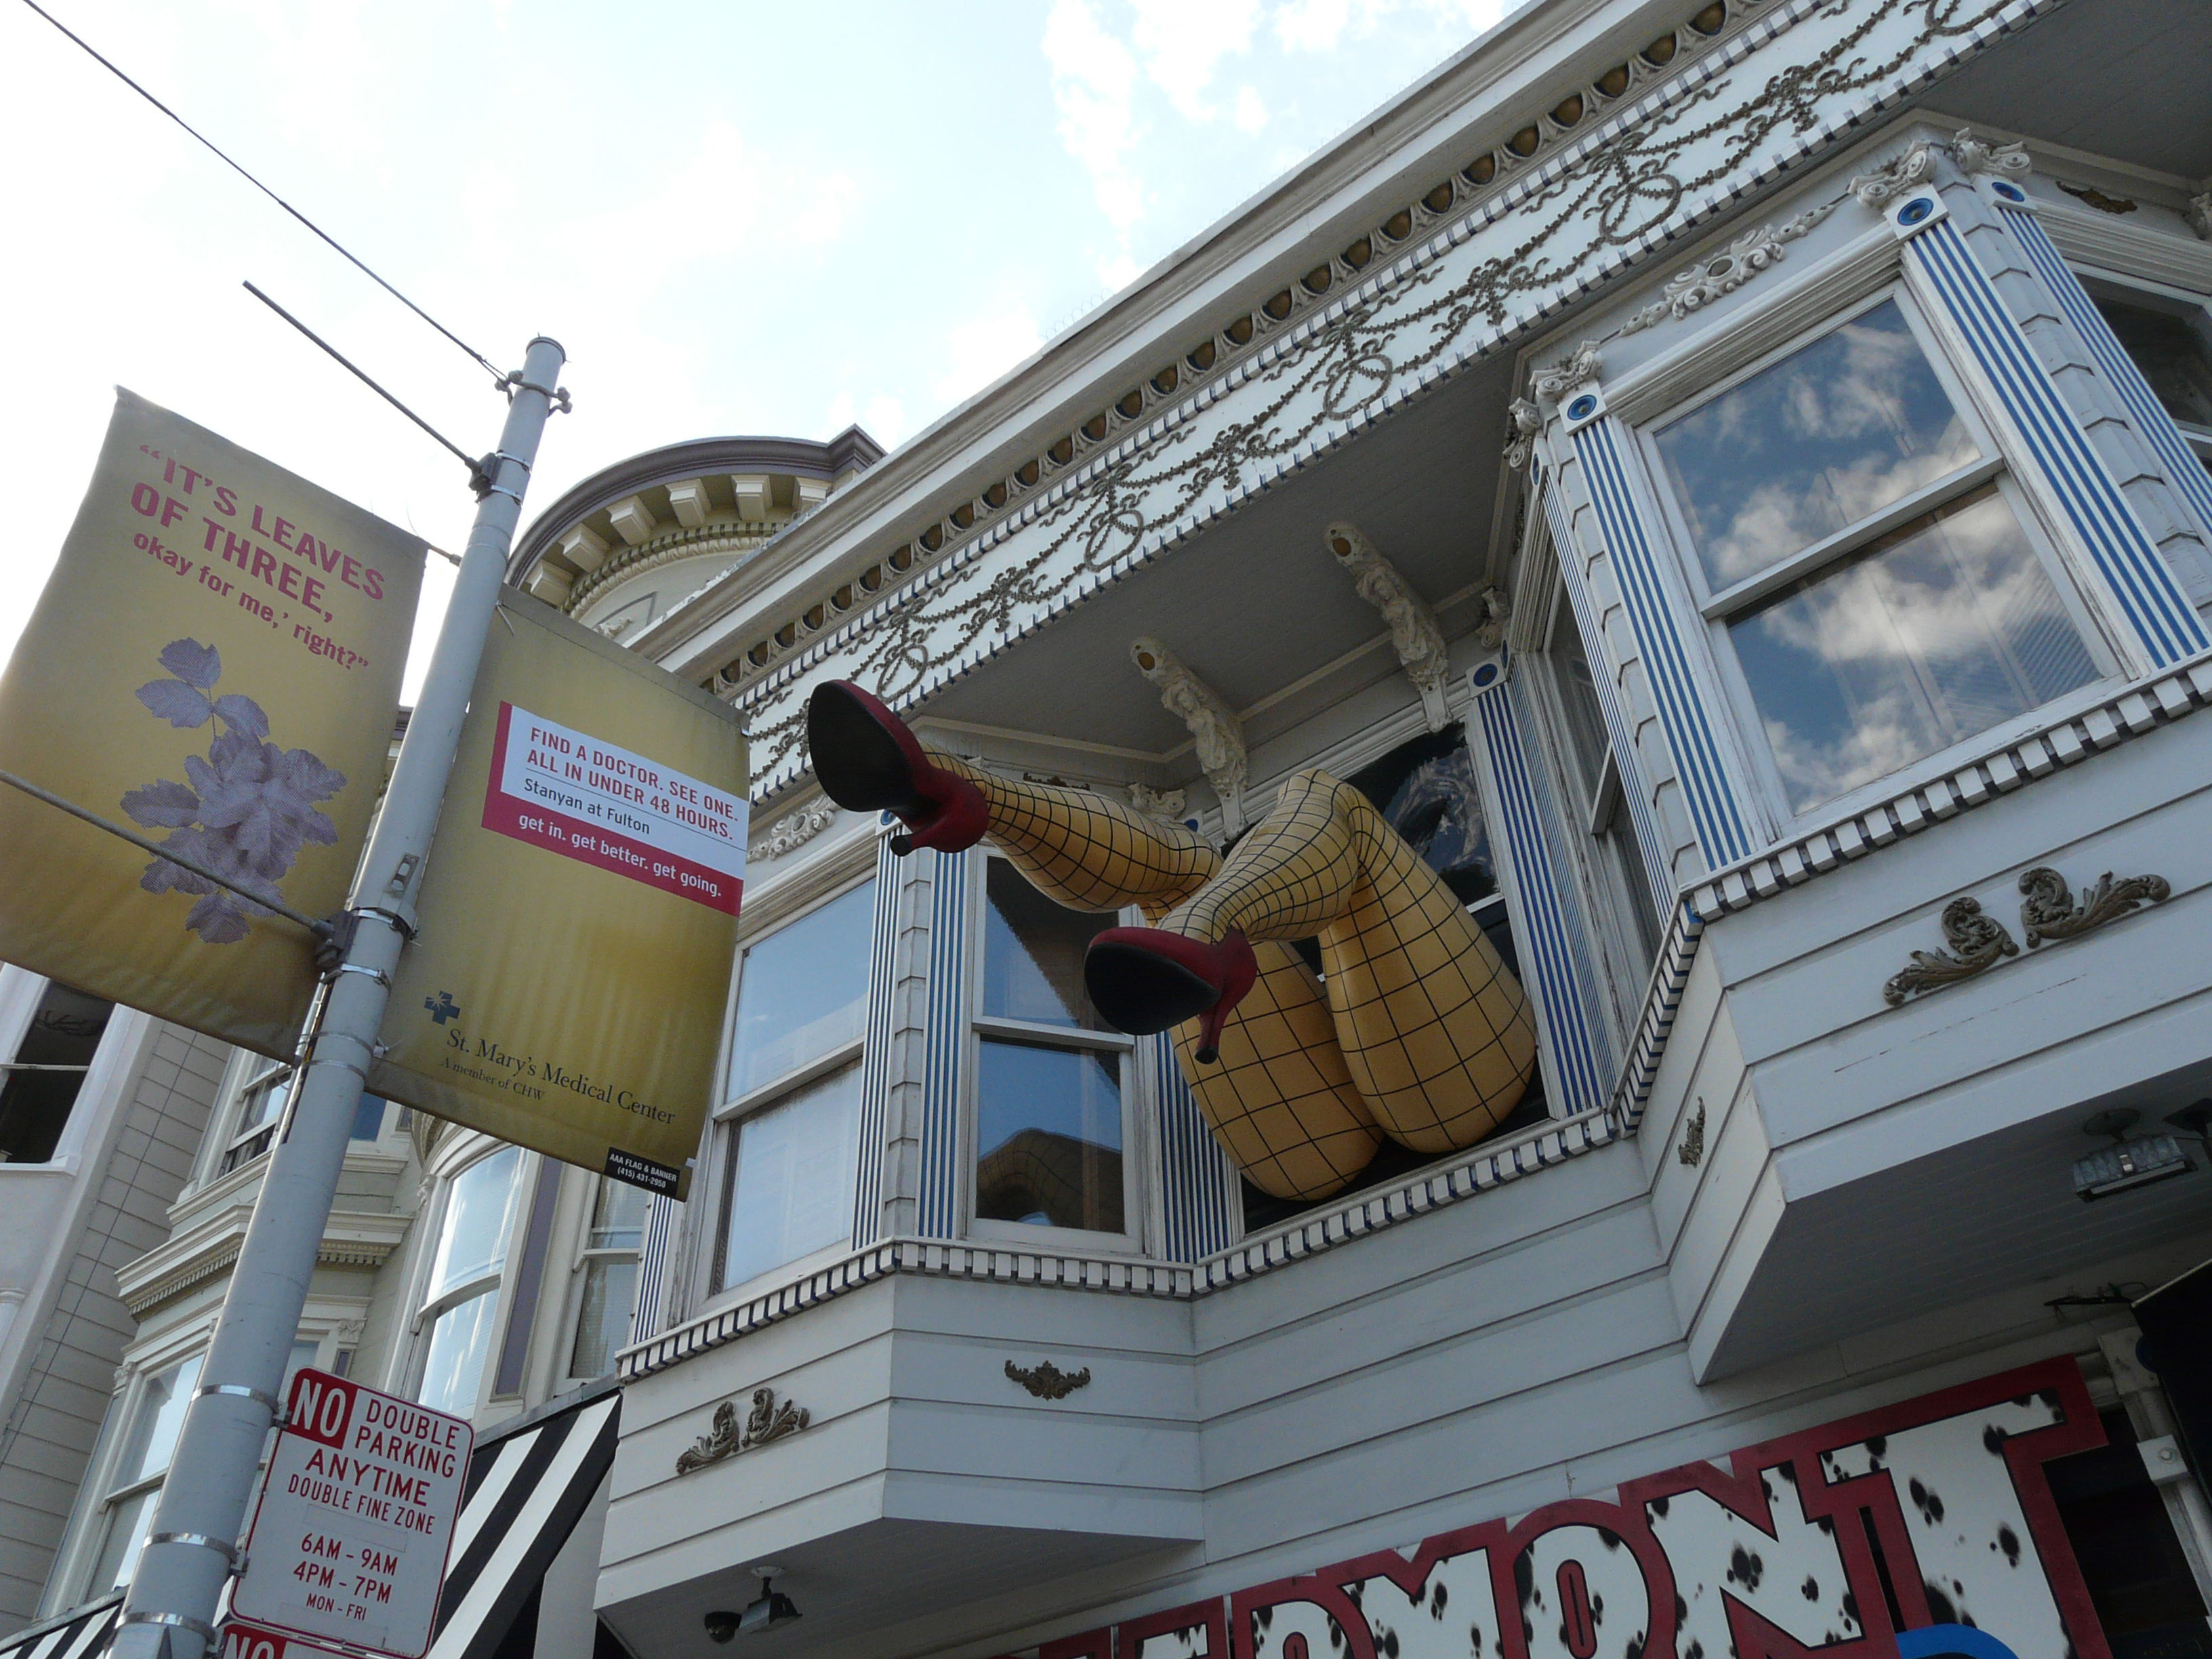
(242, 715)
(198, 666)
(164, 805)
(176, 702)
(247, 809)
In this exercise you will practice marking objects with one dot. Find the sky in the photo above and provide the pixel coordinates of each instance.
(736, 218)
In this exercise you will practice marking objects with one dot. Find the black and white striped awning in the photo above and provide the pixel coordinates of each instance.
(77, 1634)
(528, 1482)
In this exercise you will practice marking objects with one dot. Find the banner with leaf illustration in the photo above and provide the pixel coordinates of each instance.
(579, 912)
(216, 664)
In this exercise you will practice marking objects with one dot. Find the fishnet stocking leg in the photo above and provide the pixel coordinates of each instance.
(1280, 1099)
(1437, 1035)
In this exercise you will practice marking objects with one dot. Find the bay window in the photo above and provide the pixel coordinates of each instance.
(2169, 339)
(1875, 592)
(1595, 791)
(260, 1112)
(791, 1126)
(1051, 1077)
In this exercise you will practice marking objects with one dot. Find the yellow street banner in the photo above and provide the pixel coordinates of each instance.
(579, 915)
(215, 662)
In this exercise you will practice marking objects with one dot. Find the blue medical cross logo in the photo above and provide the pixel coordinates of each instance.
(443, 1008)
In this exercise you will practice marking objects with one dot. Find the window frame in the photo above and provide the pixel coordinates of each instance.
(582, 1255)
(22, 994)
(425, 1309)
(1137, 1205)
(1762, 339)
(2149, 293)
(725, 1122)
(1606, 849)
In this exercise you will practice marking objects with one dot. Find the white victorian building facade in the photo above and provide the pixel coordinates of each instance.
(1728, 485)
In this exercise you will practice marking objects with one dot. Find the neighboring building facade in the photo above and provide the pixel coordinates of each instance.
(1729, 483)
(101, 1110)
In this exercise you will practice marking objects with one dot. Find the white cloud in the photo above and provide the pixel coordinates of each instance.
(1251, 111)
(1184, 41)
(983, 348)
(1094, 84)
(1322, 25)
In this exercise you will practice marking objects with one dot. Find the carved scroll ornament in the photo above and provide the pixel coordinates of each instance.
(2050, 913)
(1698, 286)
(1047, 1380)
(1553, 385)
(766, 1421)
(1214, 727)
(1979, 942)
(1414, 634)
(1526, 420)
(1895, 177)
(1976, 155)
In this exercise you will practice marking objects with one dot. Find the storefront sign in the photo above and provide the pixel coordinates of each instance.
(216, 664)
(1937, 1508)
(579, 916)
(350, 1541)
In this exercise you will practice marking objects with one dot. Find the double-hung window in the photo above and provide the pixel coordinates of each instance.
(152, 1414)
(39, 1087)
(790, 1130)
(459, 1306)
(1596, 791)
(1052, 1083)
(607, 1296)
(260, 1111)
(1874, 592)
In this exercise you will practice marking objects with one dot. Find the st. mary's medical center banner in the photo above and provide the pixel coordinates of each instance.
(579, 915)
(216, 663)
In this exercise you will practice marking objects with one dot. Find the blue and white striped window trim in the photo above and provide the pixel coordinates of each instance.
(1198, 1185)
(1553, 936)
(645, 1313)
(2183, 471)
(944, 1044)
(1658, 871)
(1722, 837)
(876, 1056)
(2165, 623)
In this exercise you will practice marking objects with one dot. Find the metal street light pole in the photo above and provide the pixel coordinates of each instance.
(191, 1544)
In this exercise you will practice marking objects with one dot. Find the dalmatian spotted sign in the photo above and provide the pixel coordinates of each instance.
(1923, 1529)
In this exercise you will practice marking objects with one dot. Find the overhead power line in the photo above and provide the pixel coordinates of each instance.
(489, 367)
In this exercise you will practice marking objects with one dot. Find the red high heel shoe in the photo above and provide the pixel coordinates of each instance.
(868, 762)
(1145, 980)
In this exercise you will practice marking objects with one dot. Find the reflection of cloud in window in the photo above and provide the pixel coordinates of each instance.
(1944, 629)
(1818, 441)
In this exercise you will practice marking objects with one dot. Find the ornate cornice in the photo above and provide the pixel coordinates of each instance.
(675, 545)
(1749, 110)
(1694, 287)
(1523, 143)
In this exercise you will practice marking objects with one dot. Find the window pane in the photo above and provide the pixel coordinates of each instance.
(1944, 628)
(1033, 952)
(618, 1215)
(1831, 433)
(2173, 354)
(603, 1326)
(1578, 702)
(473, 1243)
(34, 1106)
(792, 1191)
(1049, 1131)
(265, 1101)
(160, 1417)
(127, 1525)
(804, 991)
(460, 1343)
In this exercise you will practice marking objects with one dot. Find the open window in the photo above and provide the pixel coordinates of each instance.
(2168, 337)
(1876, 590)
(790, 1129)
(39, 1086)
